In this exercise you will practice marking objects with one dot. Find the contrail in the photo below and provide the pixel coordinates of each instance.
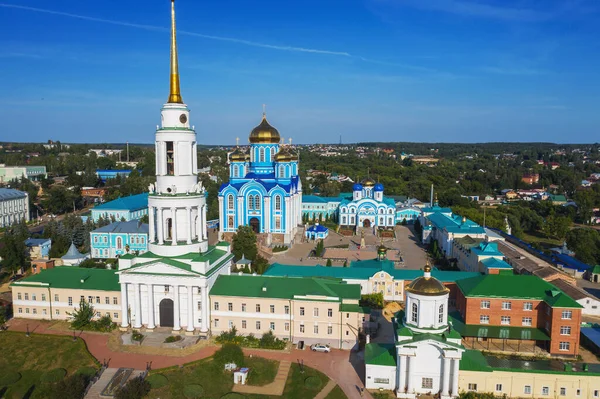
(159, 28)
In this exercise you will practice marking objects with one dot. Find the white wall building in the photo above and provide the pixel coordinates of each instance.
(14, 206)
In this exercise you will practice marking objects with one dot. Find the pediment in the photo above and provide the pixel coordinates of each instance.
(159, 268)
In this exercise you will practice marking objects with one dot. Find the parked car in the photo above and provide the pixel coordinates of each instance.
(320, 348)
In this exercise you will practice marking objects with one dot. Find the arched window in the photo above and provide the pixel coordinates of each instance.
(281, 171)
(343, 219)
(380, 210)
(272, 153)
(257, 202)
(236, 171)
(230, 201)
(277, 203)
(381, 221)
(261, 155)
(390, 211)
(441, 314)
(414, 317)
(119, 242)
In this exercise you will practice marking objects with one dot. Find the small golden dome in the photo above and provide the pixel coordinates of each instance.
(427, 285)
(264, 133)
(283, 155)
(368, 182)
(382, 249)
(238, 156)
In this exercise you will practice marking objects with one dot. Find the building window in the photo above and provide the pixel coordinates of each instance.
(230, 324)
(199, 305)
(596, 393)
(528, 306)
(564, 346)
(302, 328)
(216, 322)
(527, 321)
(26, 310)
(272, 326)
(301, 311)
(167, 289)
(70, 301)
(545, 391)
(505, 320)
(316, 329)
(244, 324)
(216, 305)
(498, 387)
(578, 392)
(26, 296)
(277, 223)
(506, 305)
(261, 155)
(427, 383)
(381, 380)
(281, 171)
(415, 313)
(287, 326)
(43, 297)
(230, 307)
(441, 314)
(472, 387)
(565, 330)
(272, 308)
(258, 308)
(90, 299)
(20, 310)
(563, 391)
(329, 330)
(57, 312)
(243, 307)
(485, 304)
(115, 300)
(277, 202)
(484, 319)
(566, 315)
(230, 202)
(119, 243)
(258, 325)
(19, 296)
(286, 309)
(316, 312)
(527, 389)
(329, 312)
(97, 299)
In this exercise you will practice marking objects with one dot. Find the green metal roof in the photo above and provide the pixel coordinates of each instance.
(473, 360)
(283, 287)
(351, 307)
(488, 331)
(494, 263)
(73, 278)
(515, 286)
(595, 269)
(380, 354)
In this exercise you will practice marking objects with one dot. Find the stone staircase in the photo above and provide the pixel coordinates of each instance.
(95, 392)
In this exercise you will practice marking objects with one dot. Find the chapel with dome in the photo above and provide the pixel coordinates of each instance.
(264, 190)
(368, 207)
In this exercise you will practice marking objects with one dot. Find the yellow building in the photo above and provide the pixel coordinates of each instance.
(54, 293)
(308, 309)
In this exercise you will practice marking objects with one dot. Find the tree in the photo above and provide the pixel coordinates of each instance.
(585, 205)
(329, 263)
(14, 251)
(82, 317)
(229, 353)
(586, 245)
(244, 243)
(260, 265)
(71, 387)
(136, 388)
(557, 226)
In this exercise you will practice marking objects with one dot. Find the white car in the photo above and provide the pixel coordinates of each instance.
(320, 348)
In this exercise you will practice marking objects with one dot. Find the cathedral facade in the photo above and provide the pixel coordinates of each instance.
(264, 190)
(368, 207)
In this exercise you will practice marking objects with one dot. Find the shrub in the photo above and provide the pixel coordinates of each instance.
(136, 388)
(372, 300)
(268, 340)
(137, 336)
(157, 381)
(313, 382)
(104, 324)
(193, 391)
(72, 387)
(82, 317)
(54, 375)
(229, 353)
(173, 338)
(8, 378)
(88, 372)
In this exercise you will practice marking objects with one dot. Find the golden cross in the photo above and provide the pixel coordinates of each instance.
(237, 141)
(264, 109)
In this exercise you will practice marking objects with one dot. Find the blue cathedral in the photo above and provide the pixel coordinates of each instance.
(264, 190)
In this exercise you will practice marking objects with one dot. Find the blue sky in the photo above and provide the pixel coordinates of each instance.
(368, 70)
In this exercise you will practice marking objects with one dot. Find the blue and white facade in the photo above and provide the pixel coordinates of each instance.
(316, 232)
(119, 238)
(129, 208)
(264, 190)
(368, 208)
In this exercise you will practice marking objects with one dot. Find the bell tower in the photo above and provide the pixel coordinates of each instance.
(177, 205)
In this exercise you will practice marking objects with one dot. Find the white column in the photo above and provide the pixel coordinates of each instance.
(267, 213)
(411, 366)
(124, 307)
(176, 316)
(203, 223)
(161, 227)
(455, 377)
(205, 305)
(402, 373)
(446, 377)
(188, 211)
(222, 216)
(137, 300)
(150, 289)
(241, 218)
(151, 231)
(199, 223)
(190, 310)
(174, 226)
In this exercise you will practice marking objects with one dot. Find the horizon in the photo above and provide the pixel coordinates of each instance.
(434, 72)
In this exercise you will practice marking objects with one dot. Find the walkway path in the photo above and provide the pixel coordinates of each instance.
(275, 388)
(325, 391)
(344, 367)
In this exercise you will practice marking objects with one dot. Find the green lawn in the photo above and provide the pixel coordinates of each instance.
(33, 356)
(336, 393)
(262, 371)
(540, 238)
(217, 384)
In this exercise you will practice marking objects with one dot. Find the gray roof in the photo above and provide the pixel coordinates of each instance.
(11, 193)
(73, 253)
(131, 227)
(34, 242)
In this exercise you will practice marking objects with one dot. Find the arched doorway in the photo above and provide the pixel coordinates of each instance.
(367, 223)
(169, 229)
(255, 224)
(166, 313)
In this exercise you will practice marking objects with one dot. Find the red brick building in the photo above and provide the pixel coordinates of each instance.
(531, 178)
(513, 312)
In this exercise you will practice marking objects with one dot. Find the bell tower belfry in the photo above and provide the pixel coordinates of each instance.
(177, 205)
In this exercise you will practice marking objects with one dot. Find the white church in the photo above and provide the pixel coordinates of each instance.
(168, 286)
(426, 354)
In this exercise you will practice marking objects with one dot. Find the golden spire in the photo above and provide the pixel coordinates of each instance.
(175, 93)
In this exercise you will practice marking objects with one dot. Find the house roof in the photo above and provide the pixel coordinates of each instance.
(284, 287)
(494, 263)
(569, 289)
(34, 242)
(130, 227)
(380, 354)
(516, 287)
(318, 228)
(487, 249)
(11, 193)
(73, 278)
(571, 263)
(130, 203)
(73, 253)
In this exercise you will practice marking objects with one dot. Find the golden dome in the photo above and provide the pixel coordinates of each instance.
(368, 182)
(427, 285)
(264, 133)
(283, 155)
(382, 249)
(238, 156)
